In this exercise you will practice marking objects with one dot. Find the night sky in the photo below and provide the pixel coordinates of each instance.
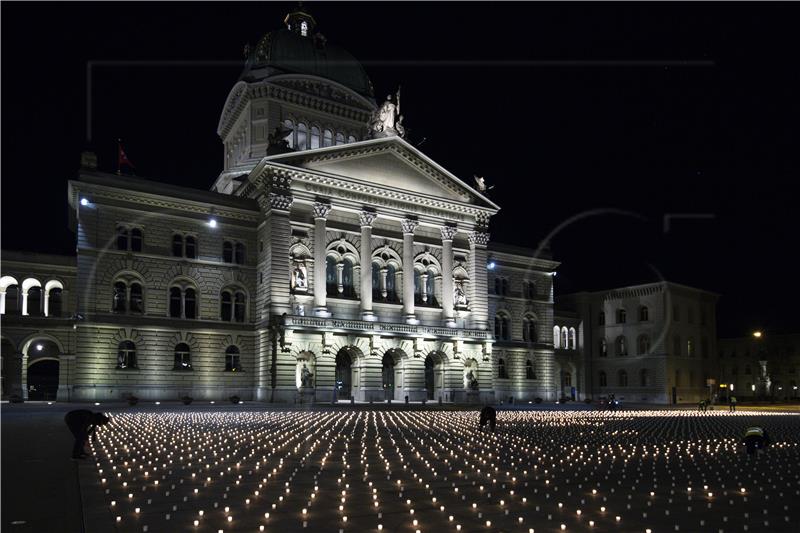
(646, 109)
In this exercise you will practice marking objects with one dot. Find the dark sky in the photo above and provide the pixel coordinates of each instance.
(656, 110)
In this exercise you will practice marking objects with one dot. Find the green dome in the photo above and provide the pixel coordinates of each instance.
(288, 52)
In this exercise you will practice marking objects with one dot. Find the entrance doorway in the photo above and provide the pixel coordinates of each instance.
(344, 375)
(430, 377)
(43, 380)
(388, 376)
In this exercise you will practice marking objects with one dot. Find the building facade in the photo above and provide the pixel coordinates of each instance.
(763, 367)
(330, 260)
(652, 343)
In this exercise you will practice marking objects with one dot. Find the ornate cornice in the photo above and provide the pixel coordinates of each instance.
(309, 101)
(162, 202)
(366, 218)
(448, 232)
(409, 225)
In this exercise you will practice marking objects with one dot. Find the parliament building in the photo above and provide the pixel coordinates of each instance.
(330, 260)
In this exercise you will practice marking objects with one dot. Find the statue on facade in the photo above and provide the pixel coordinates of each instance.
(480, 181)
(300, 277)
(459, 295)
(472, 381)
(306, 377)
(278, 142)
(387, 119)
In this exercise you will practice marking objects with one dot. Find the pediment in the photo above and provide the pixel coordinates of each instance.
(388, 162)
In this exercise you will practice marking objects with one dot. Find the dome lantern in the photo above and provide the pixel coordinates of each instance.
(300, 22)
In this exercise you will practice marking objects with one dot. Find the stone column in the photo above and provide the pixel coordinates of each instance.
(409, 225)
(366, 219)
(321, 211)
(448, 232)
(479, 304)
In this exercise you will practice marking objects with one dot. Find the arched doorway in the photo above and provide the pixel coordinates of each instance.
(43, 379)
(388, 376)
(430, 377)
(434, 375)
(344, 374)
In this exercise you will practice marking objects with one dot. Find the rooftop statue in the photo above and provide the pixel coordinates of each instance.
(481, 183)
(387, 120)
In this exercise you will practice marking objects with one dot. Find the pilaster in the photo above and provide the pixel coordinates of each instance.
(408, 225)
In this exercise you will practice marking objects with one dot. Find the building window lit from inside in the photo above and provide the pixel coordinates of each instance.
(232, 359)
(126, 355)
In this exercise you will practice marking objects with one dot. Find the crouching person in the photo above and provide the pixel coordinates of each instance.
(755, 440)
(83, 424)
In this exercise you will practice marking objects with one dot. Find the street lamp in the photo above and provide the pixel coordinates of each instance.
(757, 334)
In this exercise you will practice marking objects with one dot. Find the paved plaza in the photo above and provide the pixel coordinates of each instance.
(250, 468)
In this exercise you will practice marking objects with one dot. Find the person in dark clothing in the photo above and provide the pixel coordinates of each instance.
(83, 424)
(488, 414)
(755, 439)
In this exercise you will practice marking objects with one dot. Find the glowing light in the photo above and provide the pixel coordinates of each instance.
(84, 202)
(212, 222)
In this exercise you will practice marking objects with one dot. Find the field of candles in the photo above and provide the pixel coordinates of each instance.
(436, 471)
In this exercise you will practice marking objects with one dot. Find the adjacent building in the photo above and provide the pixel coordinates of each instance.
(763, 366)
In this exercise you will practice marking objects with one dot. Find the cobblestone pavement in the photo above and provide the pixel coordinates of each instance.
(357, 470)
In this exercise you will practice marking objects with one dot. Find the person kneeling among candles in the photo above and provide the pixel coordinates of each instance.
(488, 414)
(755, 439)
(83, 424)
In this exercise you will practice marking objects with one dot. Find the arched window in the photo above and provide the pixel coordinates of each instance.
(54, 302)
(497, 286)
(690, 347)
(621, 316)
(12, 304)
(136, 240)
(136, 302)
(232, 360)
(643, 378)
(177, 245)
(122, 238)
(314, 137)
(556, 337)
(430, 288)
(327, 138)
(191, 247)
(190, 303)
(501, 369)
(676, 346)
(498, 327)
(573, 339)
(564, 338)
(239, 306)
(348, 287)
(126, 355)
(502, 327)
(644, 313)
(391, 275)
(239, 256)
(302, 136)
(602, 379)
(183, 357)
(226, 306)
(35, 301)
(567, 379)
(530, 290)
(603, 348)
(601, 319)
(417, 285)
(351, 139)
(622, 378)
(120, 298)
(530, 373)
(643, 345)
(377, 293)
(290, 138)
(227, 252)
(529, 330)
(339, 138)
(621, 345)
(175, 302)
(331, 277)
